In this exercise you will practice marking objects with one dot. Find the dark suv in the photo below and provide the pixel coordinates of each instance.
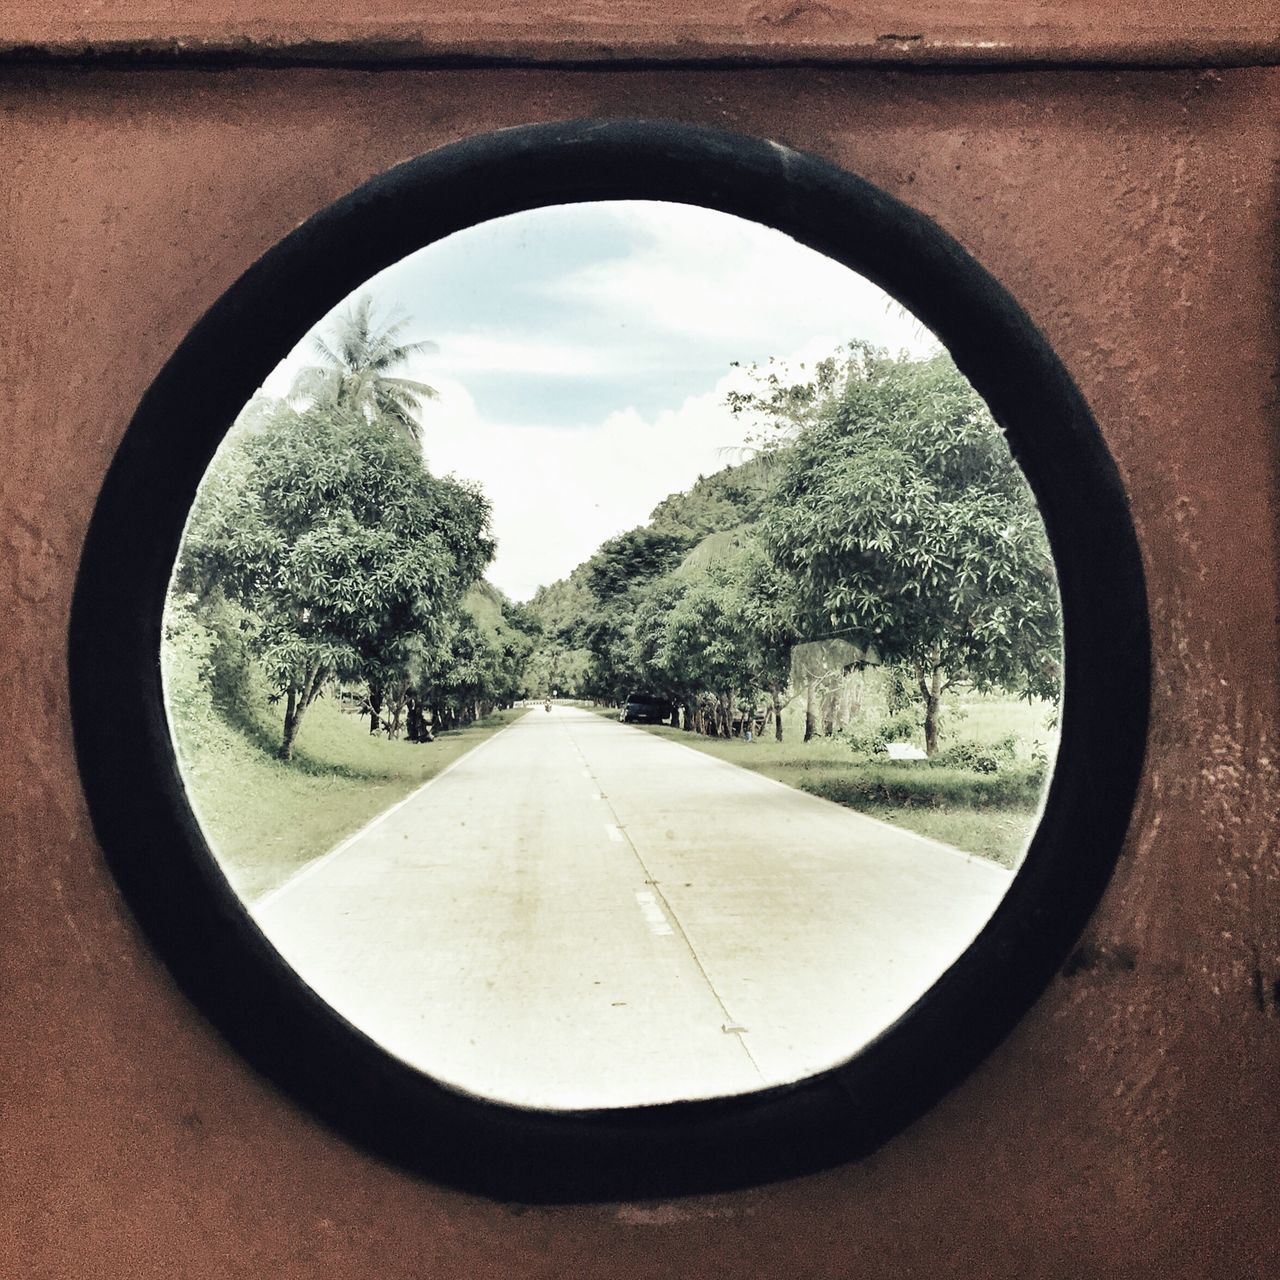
(644, 708)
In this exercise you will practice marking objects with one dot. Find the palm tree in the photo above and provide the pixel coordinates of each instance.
(356, 370)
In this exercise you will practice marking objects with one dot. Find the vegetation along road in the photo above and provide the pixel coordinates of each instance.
(579, 913)
(557, 909)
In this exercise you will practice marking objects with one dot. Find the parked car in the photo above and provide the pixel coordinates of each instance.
(644, 708)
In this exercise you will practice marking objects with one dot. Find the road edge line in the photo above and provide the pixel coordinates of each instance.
(320, 859)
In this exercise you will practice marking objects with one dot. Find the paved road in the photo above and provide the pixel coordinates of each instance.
(583, 914)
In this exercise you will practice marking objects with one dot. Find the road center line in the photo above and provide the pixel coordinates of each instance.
(653, 914)
(669, 918)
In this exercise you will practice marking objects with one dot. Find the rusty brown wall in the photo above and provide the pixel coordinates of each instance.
(1191, 32)
(1129, 1126)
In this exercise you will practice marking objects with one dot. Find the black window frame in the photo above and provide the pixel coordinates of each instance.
(203, 932)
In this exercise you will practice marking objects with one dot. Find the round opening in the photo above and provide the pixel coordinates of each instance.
(585, 961)
(660, 467)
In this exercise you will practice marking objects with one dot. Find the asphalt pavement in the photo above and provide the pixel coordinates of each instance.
(580, 913)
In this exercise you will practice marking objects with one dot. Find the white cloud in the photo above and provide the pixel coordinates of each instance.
(516, 353)
(557, 493)
(692, 286)
(698, 272)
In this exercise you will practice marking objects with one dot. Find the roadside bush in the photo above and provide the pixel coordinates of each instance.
(959, 755)
(860, 743)
(211, 681)
(873, 741)
(866, 743)
(1014, 787)
(230, 670)
(185, 661)
(901, 727)
(980, 757)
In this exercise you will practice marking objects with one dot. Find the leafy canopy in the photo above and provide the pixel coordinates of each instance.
(332, 532)
(905, 524)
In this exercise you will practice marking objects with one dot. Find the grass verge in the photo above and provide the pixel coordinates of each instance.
(264, 818)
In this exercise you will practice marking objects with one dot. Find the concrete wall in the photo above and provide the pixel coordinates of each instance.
(1129, 1126)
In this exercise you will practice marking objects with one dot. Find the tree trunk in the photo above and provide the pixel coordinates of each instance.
(298, 699)
(931, 691)
(930, 726)
(292, 715)
(375, 707)
(417, 728)
(396, 705)
(312, 686)
(810, 720)
(829, 701)
(777, 713)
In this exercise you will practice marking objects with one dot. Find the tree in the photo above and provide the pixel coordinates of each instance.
(657, 661)
(713, 634)
(462, 688)
(902, 518)
(623, 563)
(357, 371)
(554, 669)
(558, 662)
(328, 528)
(615, 577)
(704, 648)
(769, 613)
(479, 664)
(400, 673)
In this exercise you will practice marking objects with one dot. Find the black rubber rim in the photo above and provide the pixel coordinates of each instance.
(158, 854)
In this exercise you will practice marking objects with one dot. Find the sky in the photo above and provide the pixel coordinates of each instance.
(583, 354)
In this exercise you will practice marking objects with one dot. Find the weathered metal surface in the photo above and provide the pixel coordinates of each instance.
(918, 32)
(1130, 1125)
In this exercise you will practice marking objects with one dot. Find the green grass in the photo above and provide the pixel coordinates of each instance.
(264, 818)
(998, 834)
(984, 720)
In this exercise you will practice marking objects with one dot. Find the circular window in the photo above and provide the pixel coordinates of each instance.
(874, 501)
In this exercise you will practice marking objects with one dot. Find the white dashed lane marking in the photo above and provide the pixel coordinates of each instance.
(614, 834)
(653, 913)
